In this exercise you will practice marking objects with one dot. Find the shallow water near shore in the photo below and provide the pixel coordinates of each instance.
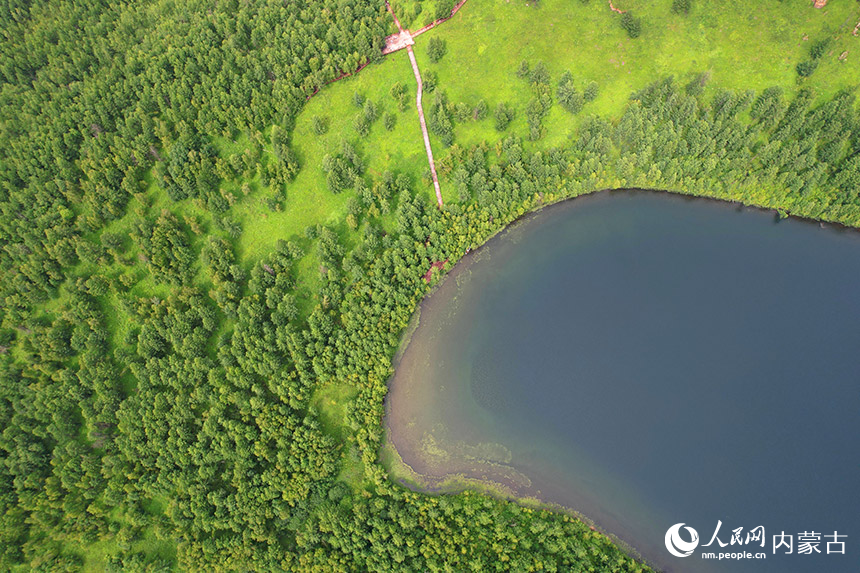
(649, 359)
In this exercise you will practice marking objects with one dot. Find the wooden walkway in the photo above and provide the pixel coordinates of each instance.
(405, 38)
(397, 39)
(424, 126)
(396, 42)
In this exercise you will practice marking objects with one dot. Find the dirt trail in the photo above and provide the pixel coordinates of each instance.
(417, 73)
(394, 43)
(424, 125)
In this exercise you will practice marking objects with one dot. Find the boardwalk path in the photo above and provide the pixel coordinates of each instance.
(424, 125)
(394, 43)
(404, 39)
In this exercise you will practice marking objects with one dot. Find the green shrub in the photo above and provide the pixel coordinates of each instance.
(399, 93)
(504, 115)
(819, 48)
(523, 70)
(370, 111)
(591, 91)
(319, 124)
(631, 24)
(436, 49)
(361, 125)
(480, 111)
(568, 96)
(389, 120)
(681, 6)
(429, 80)
(806, 68)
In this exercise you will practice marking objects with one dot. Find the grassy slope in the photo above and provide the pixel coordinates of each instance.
(744, 46)
(308, 200)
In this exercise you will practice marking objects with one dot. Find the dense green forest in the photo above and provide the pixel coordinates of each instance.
(158, 392)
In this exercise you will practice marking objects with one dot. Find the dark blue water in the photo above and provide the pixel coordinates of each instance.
(648, 360)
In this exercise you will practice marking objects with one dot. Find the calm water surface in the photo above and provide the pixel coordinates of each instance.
(647, 360)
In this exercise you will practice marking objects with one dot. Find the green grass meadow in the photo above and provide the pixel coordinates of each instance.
(743, 46)
(308, 200)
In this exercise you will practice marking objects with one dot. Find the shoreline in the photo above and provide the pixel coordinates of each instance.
(494, 478)
(780, 214)
(404, 475)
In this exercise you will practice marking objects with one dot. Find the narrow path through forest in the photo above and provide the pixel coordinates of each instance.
(393, 15)
(424, 125)
(394, 43)
(614, 9)
(404, 37)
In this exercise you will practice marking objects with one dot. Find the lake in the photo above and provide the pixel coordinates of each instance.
(649, 359)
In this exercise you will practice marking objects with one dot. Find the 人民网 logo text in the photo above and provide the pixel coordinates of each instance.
(782, 543)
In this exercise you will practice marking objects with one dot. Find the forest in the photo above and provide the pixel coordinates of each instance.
(159, 390)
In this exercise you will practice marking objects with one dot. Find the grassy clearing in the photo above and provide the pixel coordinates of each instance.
(743, 46)
(331, 401)
(308, 200)
(96, 554)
